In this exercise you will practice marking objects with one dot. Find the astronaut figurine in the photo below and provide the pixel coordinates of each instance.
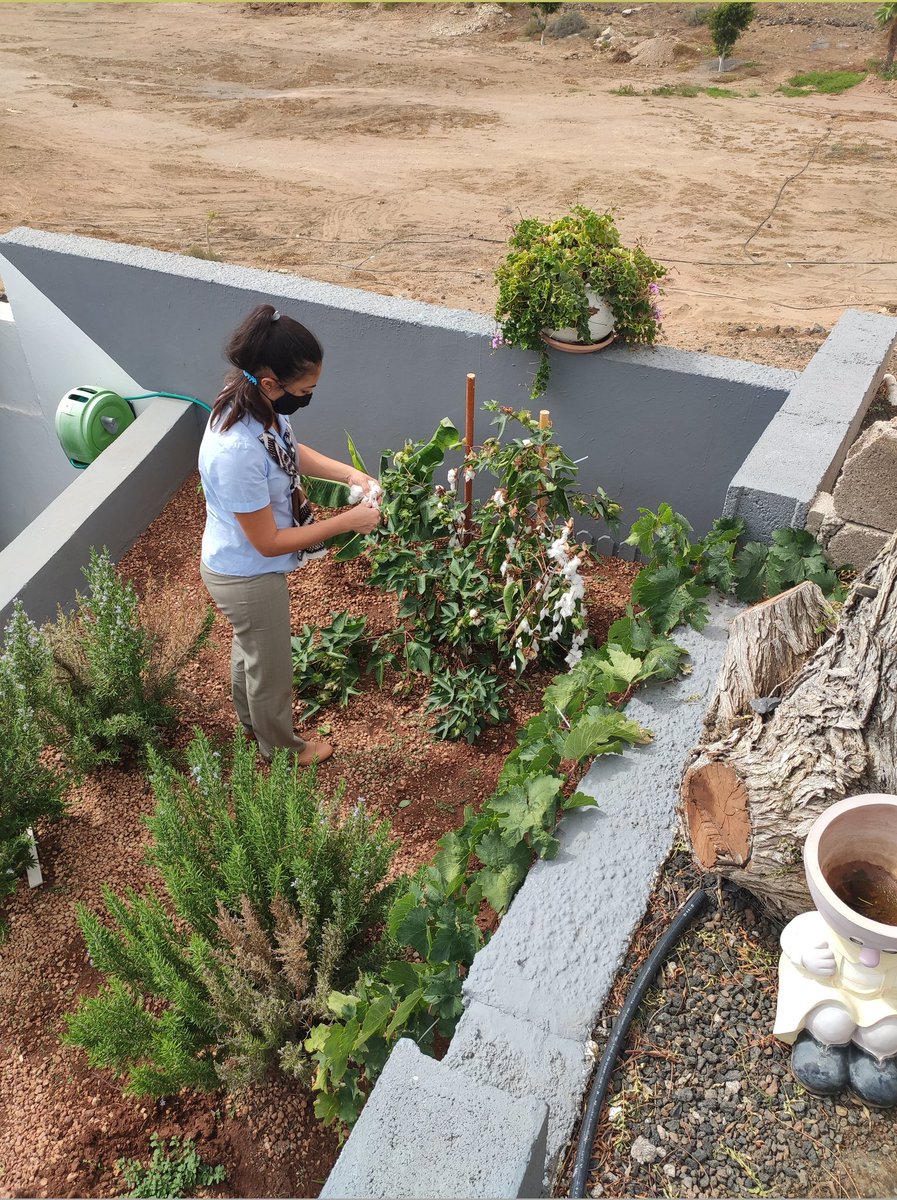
(837, 1003)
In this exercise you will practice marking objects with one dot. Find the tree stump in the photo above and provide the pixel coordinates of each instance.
(758, 780)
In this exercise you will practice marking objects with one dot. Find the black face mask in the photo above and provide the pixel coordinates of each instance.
(288, 403)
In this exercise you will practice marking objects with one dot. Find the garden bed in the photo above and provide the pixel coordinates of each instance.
(63, 1126)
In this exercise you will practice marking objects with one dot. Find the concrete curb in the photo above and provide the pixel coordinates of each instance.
(535, 992)
(803, 448)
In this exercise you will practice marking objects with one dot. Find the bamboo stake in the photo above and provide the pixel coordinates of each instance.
(468, 451)
(544, 423)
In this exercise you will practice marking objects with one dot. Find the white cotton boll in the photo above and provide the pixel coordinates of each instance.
(469, 474)
(355, 493)
(375, 491)
(503, 569)
(452, 475)
(511, 544)
(527, 442)
(498, 499)
(525, 626)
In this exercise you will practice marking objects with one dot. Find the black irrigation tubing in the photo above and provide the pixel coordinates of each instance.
(689, 910)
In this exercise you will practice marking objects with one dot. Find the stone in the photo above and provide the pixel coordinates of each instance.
(855, 544)
(644, 1152)
(821, 510)
(866, 493)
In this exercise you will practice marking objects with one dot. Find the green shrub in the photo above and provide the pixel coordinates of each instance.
(567, 24)
(826, 83)
(101, 680)
(29, 789)
(270, 902)
(173, 1171)
(464, 702)
(327, 661)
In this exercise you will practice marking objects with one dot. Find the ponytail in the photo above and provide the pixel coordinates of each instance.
(264, 341)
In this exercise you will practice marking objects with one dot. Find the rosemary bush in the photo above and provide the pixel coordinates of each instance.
(101, 680)
(29, 789)
(270, 901)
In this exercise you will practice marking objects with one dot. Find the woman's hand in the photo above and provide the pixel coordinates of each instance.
(363, 518)
(356, 478)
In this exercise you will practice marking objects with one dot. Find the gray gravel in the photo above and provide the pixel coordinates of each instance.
(703, 1103)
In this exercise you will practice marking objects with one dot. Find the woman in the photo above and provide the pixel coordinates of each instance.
(259, 524)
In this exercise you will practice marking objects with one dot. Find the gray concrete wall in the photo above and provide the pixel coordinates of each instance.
(20, 425)
(803, 448)
(110, 504)
(656, 424)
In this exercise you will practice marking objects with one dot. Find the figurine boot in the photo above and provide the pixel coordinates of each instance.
(873, 1080)
(822, 1070)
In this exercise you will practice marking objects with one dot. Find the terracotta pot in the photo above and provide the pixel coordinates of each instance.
(601, 329)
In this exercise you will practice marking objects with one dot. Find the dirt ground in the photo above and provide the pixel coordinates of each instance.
(391, 147)
(63, 1126)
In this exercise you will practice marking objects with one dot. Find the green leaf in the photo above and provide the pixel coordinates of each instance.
(601, 733)
(404, 1011)
(670, 597)
(625, 666)
(342, 1005)
(580, 800)
(327, 493)
(527, 808)
(750, 572)
(408, 924)
(375, 1019)
(357, 460)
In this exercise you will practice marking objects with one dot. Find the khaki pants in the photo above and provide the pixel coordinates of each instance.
(258, 608)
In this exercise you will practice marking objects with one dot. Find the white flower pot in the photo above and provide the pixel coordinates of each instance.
(601, 325)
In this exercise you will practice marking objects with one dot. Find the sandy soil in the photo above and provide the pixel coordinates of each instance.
(391, 147)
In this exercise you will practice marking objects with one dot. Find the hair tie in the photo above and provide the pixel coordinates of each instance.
(275, 316)
(251, 378)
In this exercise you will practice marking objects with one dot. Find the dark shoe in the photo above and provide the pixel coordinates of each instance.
(822, 1070)
(872, 1080)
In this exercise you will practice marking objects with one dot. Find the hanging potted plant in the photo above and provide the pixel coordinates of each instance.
(572, 285)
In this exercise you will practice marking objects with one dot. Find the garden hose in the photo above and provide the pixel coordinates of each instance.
(691, 907)
(82, 466)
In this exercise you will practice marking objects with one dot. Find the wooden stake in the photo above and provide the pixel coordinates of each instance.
(544, 423)
(468, 450)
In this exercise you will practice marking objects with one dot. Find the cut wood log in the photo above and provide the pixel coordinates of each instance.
(756, 784)
(767, 645)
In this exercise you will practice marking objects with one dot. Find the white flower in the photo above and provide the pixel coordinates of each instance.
(503, 569)
(573, 657)
(511, 544)
(499, 499)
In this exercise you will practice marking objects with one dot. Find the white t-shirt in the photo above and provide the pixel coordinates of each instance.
(239, 476)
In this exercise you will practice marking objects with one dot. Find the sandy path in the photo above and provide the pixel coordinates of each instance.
(371, 148)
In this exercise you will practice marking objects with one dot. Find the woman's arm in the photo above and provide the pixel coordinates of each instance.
(312, 462)
(263, 534)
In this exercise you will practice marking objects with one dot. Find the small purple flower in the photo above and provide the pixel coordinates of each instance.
(658, 313)
(497, 341)
(653, 289)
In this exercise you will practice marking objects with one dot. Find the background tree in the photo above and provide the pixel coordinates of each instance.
(886, 16)
(726, 24)
(546, 10)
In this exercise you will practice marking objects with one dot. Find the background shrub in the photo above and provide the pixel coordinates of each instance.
(101, 680)
(566, 24)
(29, 789)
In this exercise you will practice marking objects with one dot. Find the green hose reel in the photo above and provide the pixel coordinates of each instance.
(88, 420)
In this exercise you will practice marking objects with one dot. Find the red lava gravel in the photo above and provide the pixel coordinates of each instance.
(63, 1126)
